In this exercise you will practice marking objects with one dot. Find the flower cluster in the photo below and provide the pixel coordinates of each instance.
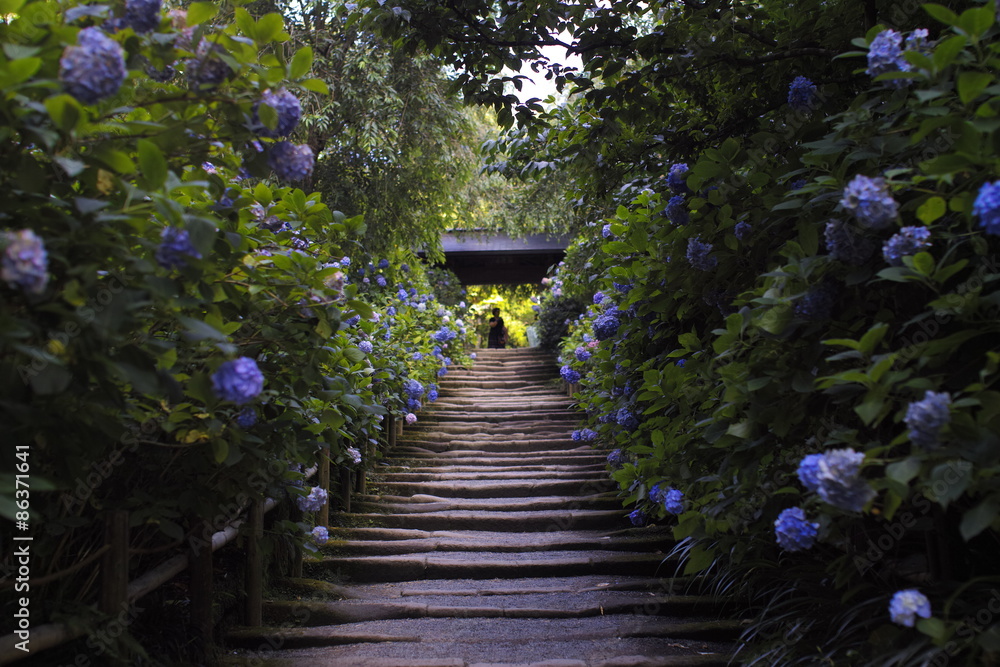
(313, 502)
(143, 15)
(906, 605)
(444, 334)
(238, 380)
(207, 69)
(584, 435)
(885, 54)
(287, 108)
(606, 231)
(672, 499)
(742, 230)
(582, 354)
(699, 255)
(637, 517)
(246, 417)
(793, 532)
(870, 201)
(909, 241)
(355, 455)
(94, 69)
(626, 419)
(25, 262)
(987, 207)
(835, 476)
(677, 210)
(291, 162)
(926, 417)
(817, 303)
(175, 248)
(366, 346)
(569, 375)
(677, 178)
(410, 418)
(320, 535)
(616, 458)
(802, 94)
(846, 244)
(598, 297)
(606, 324)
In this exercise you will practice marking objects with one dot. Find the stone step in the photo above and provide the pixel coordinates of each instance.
(489, 414)
(516, 521)
(445, 467)
(428, 457)
(477, 474)
(499, 488)
(428, 503)
(489, 565)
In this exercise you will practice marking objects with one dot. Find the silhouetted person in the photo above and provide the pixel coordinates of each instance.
(498, 332)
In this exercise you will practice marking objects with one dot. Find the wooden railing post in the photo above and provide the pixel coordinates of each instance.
(324, 483)
(114, 576)
(202, 619)
(391, 430)
(255, 566)
(345, 489)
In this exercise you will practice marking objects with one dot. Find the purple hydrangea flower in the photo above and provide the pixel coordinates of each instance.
(606, 324)
(677, 210)
(802, 94)
(909, 241)
(906, 605)
(410, 418)
(365, 346)
(673, 501)
(313, 502)
(987, 207)
(25, 262)
(247, 417)
(606, 231)
(380, 280)
(290, 162)
(94, 69)
(624, 288)
(846, 244)
(351, 321)
(432, 394)
(817, 303)
(742, 230)
(626, 419)
(207, 69)
(413, 387)
(569, 375)
(918, 40)
(143, 15)
(582, 354)
(840, 483)
(885, 54)
(354, 454)
(584, 435)
(699, 255)
(677, 178)
(870, 201)
(383, 263)
(285, 105)
(809, 471)
(598, 297)
(637, 517)
(444, 334)
(239, 381)
(793, 532)
(926, 417)
(175, 248)
(320, 535)
(616, 459)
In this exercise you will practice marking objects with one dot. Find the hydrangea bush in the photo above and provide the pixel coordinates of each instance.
(837, 411)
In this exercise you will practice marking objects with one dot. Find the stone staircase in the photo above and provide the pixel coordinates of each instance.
(491, 539)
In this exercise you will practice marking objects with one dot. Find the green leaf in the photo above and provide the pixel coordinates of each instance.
(269, 26)
(971, 84)
(933, 628)
(979, 518)
(948, 50)
(10, 6)
(903, 471)
(941, 13)
(268, 116)
(198, 330)
(220, 449)
(199, 12)
(152, 164)
(924, 263)
(949, 481)
(65, 111)
(699, 558)
(301, 63)
(931, 210)
(18, 71)
(976, 21)
(873, 337)
(316, 86)
(245, 23)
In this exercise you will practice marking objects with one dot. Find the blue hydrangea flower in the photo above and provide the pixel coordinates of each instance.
(840, 483)
(809, 471)
(584, 435)
(569, 375)
(637, 517)
(365, 346)
(624, 288)
(657, 495)
(285, 105)
(918, 40)
(412, 387)
(817, 303)
(742, 230)
(598, 297)
(802, 94)
(846, 244)
(320, 535)
(390, 311)
(313, 502)
(94, 69)
(616, 458)
(626, 419)
(673, 502)
(413, 405)
(290, 162)
(405, 268)
(606, 231)
(906, 605)
(793, 532)
(870, 201)
(380, 280)
(677, 211)
(677, 178)
(607, 323)
(143, 15)
(351, 321)
(175, 248)
(432, 394)
(797, 184)
(582, 354)
(926, 417)
(25, 262)
(207, 69)
(383, 263)
(987, 207)
(908, 241)
(885, 54)
(699, 255)
(247, 417)
(238, 380)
